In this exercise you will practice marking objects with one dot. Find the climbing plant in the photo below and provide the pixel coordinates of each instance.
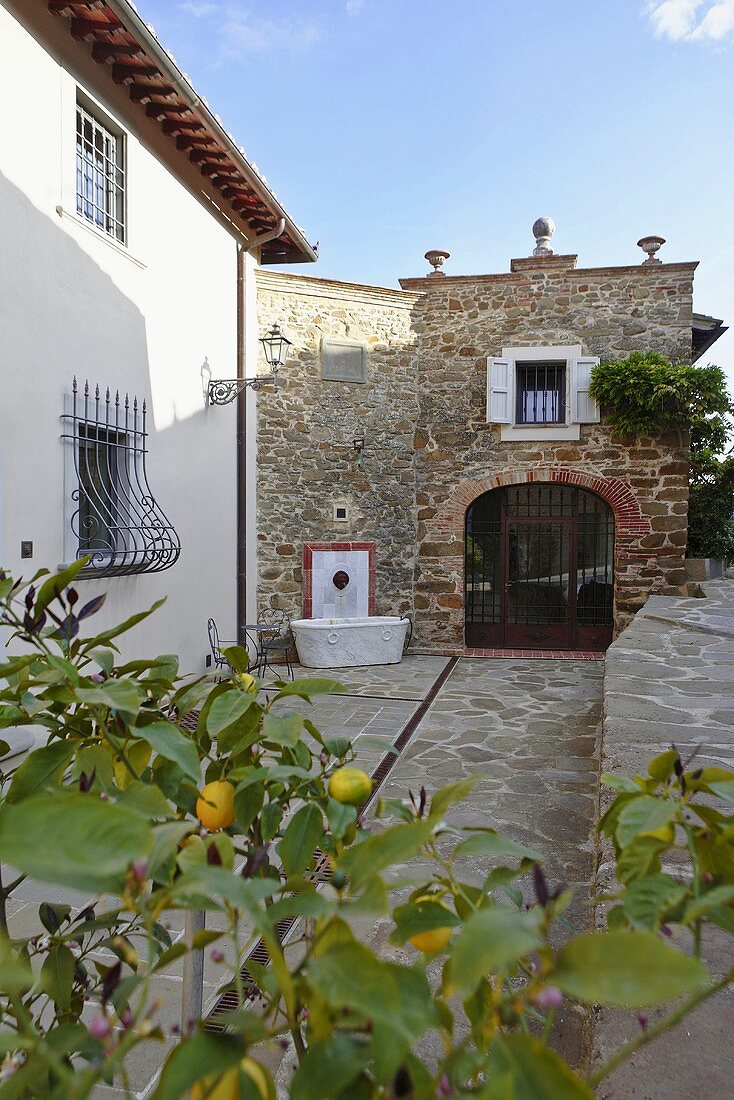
(253, 815)
(646, 394)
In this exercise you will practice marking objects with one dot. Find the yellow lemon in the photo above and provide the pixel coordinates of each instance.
(228, 1085)
(215, 808)
(435, 939)
(246, 681)
(350, 786)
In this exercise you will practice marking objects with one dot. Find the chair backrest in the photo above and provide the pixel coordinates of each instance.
(211, 627)
(275, 617)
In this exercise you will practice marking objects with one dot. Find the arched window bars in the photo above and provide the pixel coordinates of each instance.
(113, 516)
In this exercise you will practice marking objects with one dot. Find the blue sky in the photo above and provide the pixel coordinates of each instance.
(388, 127)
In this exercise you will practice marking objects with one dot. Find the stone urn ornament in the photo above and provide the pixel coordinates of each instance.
(650, 245)
(436, 258)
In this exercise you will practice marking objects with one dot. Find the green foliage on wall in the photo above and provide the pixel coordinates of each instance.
(646, 394)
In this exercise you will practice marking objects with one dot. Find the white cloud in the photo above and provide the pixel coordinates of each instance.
(354, 7)
(691, 20)
(239, 32)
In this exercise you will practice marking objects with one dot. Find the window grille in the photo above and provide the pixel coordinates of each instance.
(100, 175)
(115, 518)
(541, 393)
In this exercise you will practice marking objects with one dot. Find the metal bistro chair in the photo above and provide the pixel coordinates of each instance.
(274, 639)
(218, 659)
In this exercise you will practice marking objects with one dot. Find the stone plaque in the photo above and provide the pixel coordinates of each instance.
(343, 361)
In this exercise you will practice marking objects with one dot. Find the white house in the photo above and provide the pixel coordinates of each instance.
(130, 228)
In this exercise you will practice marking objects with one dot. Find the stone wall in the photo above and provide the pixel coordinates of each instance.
(460, 320)
(428, 449)
(306, 432)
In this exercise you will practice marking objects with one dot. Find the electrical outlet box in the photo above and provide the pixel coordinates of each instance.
(26, 549)
(208, 661)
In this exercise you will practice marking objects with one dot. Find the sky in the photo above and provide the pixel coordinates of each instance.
(388, 127)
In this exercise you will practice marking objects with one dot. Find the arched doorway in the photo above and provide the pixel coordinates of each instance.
(539, 568)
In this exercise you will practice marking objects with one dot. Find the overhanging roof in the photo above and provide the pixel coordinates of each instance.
(706, 331)
(122, 43)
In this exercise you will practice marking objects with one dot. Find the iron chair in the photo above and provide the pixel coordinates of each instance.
(275, 640)
(218, 659)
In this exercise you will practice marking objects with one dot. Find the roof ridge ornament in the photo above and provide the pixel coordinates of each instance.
(436, 258)
(650, 245)
(543, 230)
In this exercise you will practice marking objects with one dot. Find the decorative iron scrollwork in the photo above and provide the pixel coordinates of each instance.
(116, 519)
(538, 635)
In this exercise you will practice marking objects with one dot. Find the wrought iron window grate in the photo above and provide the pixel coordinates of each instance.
(100, 175)
(541, 393)
(115, 518)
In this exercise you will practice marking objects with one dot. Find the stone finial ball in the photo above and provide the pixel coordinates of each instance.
(543, 227)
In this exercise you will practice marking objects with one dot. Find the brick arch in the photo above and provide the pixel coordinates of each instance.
(630, 524)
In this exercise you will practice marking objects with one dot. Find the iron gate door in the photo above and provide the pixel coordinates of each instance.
(539, 569)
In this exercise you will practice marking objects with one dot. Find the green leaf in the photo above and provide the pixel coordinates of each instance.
(73, 840)
(535, 1071)
(15, 971)
(643, 816)
(192, 1059)
(329, 1067)
(42, 768)
(712, 899)
(349, 976)
(56, 583)
(173, 744)
(492, 939)
(639, 859)
(648, 900)
(226, 710)
(248, 801)
(724, 789)
(300, 839)
(238, 657)
(396, 845)
(626, 969)
(620, 783)
(145, 799)
(317, 685)
(421, 916)
(340, 817)
(121, 696)
(447, 796)
(57, 975)
(166, 839)
(270, 820)
(283, 731)
(488, 842)
(205, 884)
(661, 767)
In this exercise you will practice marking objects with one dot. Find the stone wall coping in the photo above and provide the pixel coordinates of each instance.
(425, 283)
(309, 286)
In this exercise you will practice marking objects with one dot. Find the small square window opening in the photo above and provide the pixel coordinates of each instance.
(541, 393)
(341, 513)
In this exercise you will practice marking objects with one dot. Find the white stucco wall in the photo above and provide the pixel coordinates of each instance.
(151, 319)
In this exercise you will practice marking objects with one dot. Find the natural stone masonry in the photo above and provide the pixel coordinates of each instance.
(428, 449)
(670, 679)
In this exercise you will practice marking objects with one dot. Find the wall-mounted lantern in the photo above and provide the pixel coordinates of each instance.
(275, 344)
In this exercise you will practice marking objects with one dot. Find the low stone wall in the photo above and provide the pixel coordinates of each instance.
(670, 679)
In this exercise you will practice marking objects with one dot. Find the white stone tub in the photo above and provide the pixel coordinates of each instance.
(346, 643)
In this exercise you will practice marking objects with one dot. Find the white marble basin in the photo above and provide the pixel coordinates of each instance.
(347, 643)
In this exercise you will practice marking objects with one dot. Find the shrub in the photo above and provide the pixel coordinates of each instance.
(108, 806)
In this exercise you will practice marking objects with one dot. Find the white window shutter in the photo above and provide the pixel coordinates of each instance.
(500, 391)
(584, 410)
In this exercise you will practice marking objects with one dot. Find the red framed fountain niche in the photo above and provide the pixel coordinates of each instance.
(325, 561)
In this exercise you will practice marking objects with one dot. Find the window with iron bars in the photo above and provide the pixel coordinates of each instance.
(114, 519)
(541, 393)
(100, 175)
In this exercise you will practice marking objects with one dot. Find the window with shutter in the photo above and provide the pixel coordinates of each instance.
(584, 408)
(500, 391)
